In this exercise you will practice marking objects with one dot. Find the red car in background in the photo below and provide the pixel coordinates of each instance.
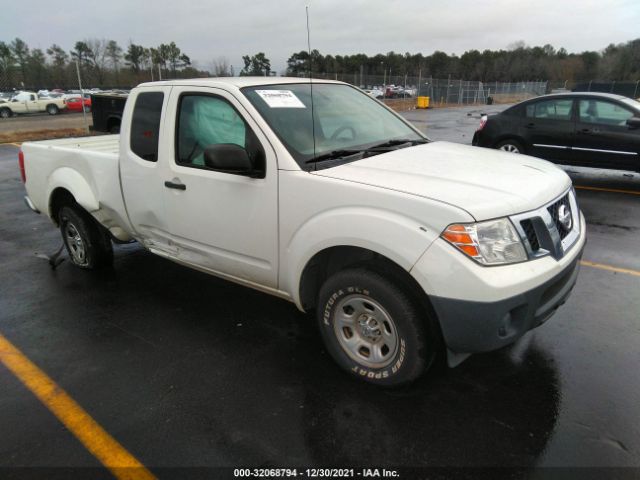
(75, 104)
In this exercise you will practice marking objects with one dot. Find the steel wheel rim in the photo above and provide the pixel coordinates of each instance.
(365, 331)
(75, 244)
(508, 147)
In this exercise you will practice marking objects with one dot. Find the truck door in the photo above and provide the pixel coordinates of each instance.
(33, 105)
(223, 221)
(141, 174)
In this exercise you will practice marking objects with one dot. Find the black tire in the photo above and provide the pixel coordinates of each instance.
(52, 109)
(94, 242)
(416, 343)
(5, 113)
(511, 146)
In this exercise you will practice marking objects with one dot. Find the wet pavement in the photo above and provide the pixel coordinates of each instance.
(186, 370)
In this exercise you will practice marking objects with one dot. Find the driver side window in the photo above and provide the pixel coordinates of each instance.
(603, 113)
(204, 121)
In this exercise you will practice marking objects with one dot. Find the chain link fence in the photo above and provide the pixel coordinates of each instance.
(442, 92)
(628, 89)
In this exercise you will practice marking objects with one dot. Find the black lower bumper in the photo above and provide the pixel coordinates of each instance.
(471, 327)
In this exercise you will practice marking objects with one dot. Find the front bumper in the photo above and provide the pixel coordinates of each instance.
(472, 326)
(481, 308)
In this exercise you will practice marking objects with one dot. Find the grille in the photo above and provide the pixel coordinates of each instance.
(554, 211)
(530, 232)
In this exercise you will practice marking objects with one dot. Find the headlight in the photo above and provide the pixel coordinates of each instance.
(495, 242)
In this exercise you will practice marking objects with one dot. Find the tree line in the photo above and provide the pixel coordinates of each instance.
(101, 62)
(105, 63)
(516, 63)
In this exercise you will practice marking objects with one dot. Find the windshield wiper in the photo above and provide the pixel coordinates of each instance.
(396, 143)
(334, 155)
(338, 154)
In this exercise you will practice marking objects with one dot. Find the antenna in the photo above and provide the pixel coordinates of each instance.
(313, 119)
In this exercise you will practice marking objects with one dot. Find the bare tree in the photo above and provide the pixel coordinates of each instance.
(97, 57)
(220, 67)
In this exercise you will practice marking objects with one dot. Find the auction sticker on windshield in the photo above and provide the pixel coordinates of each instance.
(280, 98)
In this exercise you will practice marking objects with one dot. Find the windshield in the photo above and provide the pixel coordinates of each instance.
(632, 103)
(346, 120)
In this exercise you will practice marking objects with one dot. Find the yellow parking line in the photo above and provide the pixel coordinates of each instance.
(610, 268)
(614, 190)
(104, 447)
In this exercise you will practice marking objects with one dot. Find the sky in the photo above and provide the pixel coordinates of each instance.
(209, 29)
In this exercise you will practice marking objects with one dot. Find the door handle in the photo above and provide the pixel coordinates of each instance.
(585, 131)
(530, 125)
(177, 186)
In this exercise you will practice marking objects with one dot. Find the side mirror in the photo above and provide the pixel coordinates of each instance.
(229, 158)
(634, 122)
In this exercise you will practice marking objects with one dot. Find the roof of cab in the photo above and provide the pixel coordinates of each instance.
(237, 82)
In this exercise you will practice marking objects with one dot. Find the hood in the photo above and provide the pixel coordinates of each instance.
(486, 183)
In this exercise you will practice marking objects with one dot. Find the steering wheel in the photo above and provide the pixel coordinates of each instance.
(344, 128)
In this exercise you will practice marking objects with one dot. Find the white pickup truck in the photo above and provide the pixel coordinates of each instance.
(30, 102)
(318, 194)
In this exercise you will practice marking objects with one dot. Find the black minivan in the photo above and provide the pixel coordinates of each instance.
(579, 128)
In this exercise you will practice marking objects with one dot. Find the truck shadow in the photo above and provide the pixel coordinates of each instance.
(247, 375)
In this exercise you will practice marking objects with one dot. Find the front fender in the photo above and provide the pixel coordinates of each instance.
(71, 180)
(399, 238)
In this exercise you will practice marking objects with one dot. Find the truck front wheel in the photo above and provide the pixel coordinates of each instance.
(374, 329)
(87, 243)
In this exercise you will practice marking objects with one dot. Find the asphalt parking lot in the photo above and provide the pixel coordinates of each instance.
(26, 123)
(185, 370)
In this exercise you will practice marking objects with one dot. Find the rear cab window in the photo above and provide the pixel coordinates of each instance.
(145, 125)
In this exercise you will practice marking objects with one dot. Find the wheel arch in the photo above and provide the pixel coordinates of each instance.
(510, 136)
(67, 185)
(333, 259)
(59, 198)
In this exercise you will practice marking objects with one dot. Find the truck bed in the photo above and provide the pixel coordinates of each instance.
(87, 166)
(100, 143)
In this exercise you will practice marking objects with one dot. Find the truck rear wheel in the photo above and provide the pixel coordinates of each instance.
(373, 329)
(87, 243)
(52, 109)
